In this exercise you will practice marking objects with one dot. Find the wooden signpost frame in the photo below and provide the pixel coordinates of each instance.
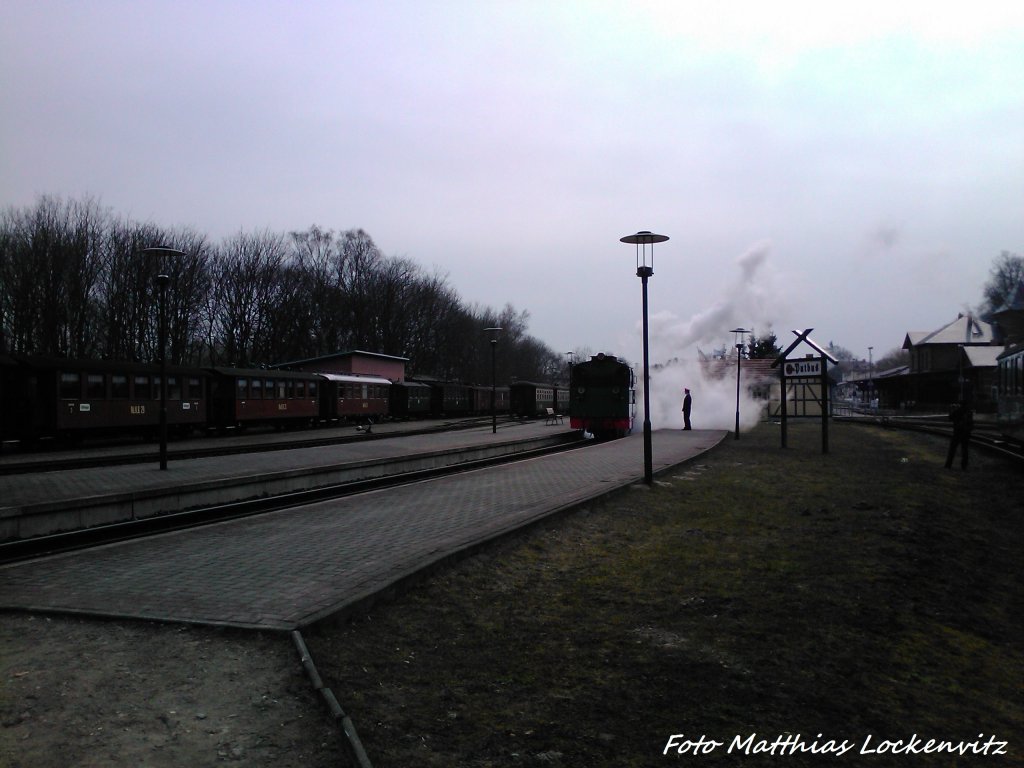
(803, 337)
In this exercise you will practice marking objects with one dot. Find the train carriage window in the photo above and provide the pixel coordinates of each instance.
(311, 387)
(70, 386)
(173, 388)
(143, 388)
(256, 391)
(195, 388)
(96, 386)
(300, 389)
(269, 391)
(119, 386)
(282, 389)
(290, 388)
(242, 389)
(155, 393)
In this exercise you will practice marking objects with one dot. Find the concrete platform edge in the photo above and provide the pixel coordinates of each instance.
(40, 519)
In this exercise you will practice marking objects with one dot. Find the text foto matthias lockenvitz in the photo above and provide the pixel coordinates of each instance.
(795, 744)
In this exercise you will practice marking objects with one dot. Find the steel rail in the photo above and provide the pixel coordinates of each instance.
(110, 460)
(991, 443)
(51, 544)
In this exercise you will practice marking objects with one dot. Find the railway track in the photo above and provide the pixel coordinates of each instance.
(987, 440)
(149, 453)
(43, 546)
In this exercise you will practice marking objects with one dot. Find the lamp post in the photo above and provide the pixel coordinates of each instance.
(493, 333)
(162, 280)
(739, 356)
(644, 270)
(871, 376)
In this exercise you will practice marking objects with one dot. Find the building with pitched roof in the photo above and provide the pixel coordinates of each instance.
(355, 362)
(955, 362)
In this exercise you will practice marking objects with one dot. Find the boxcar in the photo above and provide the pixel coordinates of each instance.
(82, 398)
(244, 397)
(351, 397)
(409, 399)
(602, 397)
(528, 399)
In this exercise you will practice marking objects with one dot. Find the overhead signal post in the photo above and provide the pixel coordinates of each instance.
(642, 240)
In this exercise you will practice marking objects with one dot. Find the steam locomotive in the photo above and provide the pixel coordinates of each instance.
(602, 397)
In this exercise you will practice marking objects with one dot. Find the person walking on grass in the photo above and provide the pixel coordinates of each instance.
(963, 422)
(687, 402)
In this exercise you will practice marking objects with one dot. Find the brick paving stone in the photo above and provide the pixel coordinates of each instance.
(24, 489)
(285, 569)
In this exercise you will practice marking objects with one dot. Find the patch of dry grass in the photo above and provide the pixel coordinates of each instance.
(755, 590)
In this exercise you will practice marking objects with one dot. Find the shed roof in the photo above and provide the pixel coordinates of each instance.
(1011, 350)
(983, 357)
(901, 370)
(336, 355)
(354, 378)
(752, 370)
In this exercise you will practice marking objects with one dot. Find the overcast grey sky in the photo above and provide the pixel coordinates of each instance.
(851, 167)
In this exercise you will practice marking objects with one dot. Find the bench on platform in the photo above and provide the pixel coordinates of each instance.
(553, 418)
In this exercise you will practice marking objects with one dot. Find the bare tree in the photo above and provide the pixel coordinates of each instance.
(1005, 275)
(246, 282)
(315, 326)
(51, 266)
(126, 322)
(75, 281)
(894, 358)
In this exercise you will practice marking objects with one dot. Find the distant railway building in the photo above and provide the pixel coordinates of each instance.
(355, 362)
(956, 361)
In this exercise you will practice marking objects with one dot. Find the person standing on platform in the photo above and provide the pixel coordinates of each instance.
(963, 422)
(687, 402)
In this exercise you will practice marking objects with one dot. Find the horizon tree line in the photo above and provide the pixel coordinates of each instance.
(75, 283)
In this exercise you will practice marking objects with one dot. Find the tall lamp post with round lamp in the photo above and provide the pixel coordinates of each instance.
(739, 356)
(644, 270)
(162, 279)
(492, 335)
(871, 376)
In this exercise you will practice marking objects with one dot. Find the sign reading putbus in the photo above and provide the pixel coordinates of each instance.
(806, 367)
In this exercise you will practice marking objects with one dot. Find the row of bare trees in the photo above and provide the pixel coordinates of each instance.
(74, 282)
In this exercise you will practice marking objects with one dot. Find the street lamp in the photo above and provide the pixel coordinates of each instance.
(162, 280)
(739, 356)
(644, 270)
(871, 376)
(492, 334)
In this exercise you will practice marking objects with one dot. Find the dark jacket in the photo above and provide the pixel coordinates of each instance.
(962, 417)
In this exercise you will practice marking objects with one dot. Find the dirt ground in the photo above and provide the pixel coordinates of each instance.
(868, 592)
(85, 692)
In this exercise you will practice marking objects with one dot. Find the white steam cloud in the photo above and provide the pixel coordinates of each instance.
(752, 301)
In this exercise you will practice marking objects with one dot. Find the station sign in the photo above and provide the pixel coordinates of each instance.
(798, 368)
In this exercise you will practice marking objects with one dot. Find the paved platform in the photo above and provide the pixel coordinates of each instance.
(287, 569)
(48, 502)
